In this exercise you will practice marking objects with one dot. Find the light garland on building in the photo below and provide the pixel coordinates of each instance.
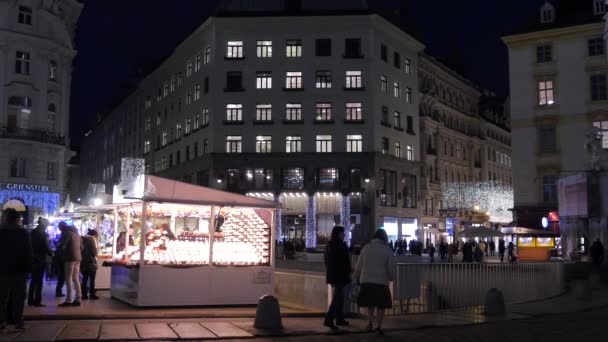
(47, 201)
(345, 217)
(311, 222)
(279, 222)
(488, 197)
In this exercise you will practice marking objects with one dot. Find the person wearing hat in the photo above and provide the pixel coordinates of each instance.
(42, 256)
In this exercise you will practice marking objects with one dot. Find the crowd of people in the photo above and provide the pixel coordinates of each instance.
(25, 254)
(471, 250)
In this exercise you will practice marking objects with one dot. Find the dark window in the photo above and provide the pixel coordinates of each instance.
(178, 158)
(397, 60)
(234, 81)
(384, 145)
(544, 53)
(195, 150)
(550, 189)
(25, 15)
(408, 187)
(293, 178)
(384, 52)
(385, 116)
(355, 178)
(233, 178)
(598, 88)
(410, 124)
(388, 188)
(206, 85)
(352, 48)
(547, 139)
(323, 47)
(596, 47)
(187, 153)
(397, 119)
(323, 79)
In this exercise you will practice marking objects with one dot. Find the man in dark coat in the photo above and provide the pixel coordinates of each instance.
(16, 259)
(338, 272)
(88, 265)
(467, 252)
(501, 249)
(597, 253)
(42, 256)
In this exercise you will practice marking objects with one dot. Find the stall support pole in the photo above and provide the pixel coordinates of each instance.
(115, 232)
(142, 239)
(273, 237)
(211, 234)
(128, 229)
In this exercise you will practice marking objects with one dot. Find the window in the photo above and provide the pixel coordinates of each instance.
(354, 143)
(148, 102)
(178, 129)
(188, 126)
(384, 52)
(52, 117)
(408, 95)
(550, 188)
(180, 79)
(234, 81)
(293, 48)
(234, 50)
(165, 89)
(408, 188)
(234, 144)
(323, 47)
(197, 63)
(388, 188)
(172, 85)
(397, 60)
(17, 167)
(328, 178)
(596, 46)
(205, 121)
(146, 146)
(197, 92)
(599, 7)
(384, 145)
(158, 120)
(354, 80)
(354, 112)
(545, 93)
(19, 112)
(207, 58)
(234, 112)
(324, 143)
(598, 88)
(396, 89)
(407, 64)
(51, 170)
(25, 15)
(206, 85)
(323, 112)
(188, 98)
(398, 152)
(384, 119)
(410, 152)
(293, 112)
(547, 13)
(397, 120)
(544, 53)
(263, 112)
(352, 48)
(603, 128)
(547, 139)
(384, 84)
(293, 178)
(259, 179)
(197, 121)
(205, 146)
(22, 63)
(264, 80)
(264, 48)
(187, 153)
(293, 80)
(263, 144)
(410, 125)
(189, 66)
(53, 71)
(293, 144)
(195, 150)
(323, 79)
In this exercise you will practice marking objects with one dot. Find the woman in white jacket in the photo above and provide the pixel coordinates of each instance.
(374, 270)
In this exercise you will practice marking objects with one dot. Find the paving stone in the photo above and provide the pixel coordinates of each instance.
(40, 332)
(192, 330)
(80, 332)
(118, 332)
(155, 330)
(225, 330)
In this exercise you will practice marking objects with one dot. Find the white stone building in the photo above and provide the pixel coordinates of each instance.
(36, 52)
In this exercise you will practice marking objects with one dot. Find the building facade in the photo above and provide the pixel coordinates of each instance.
(465, 141)
(558, 75)
(317, 109)
(36, 52)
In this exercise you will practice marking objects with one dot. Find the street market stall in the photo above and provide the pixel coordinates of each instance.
(192, 246)
(532, 244)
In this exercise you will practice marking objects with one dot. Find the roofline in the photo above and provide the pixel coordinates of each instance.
(516, 39)
(453, 73)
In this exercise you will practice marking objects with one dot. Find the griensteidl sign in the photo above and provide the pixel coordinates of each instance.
(24, 187)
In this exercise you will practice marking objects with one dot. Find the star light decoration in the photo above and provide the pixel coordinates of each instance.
(490, 197)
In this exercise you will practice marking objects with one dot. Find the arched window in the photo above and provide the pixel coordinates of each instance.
(547, 13)
(19, 112)
(51, 117)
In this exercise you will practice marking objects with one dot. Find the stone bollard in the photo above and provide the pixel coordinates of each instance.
(495, 303)
(268, 314)
(582, 289)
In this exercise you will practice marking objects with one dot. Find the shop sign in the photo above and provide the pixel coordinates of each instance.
(24, 187)
(262, 277)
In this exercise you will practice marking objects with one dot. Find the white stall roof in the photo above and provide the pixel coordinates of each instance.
(166, 190)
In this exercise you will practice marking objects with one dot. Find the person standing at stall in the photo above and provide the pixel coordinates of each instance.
(16, 260)
(492, 245)
(59, 262)
(375, 269)
(71, 247)
(88, 265)
(501, 249)
(42, 256)
(338, 270)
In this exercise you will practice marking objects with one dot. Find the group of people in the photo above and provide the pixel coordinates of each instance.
(373, 272)
(26, 254)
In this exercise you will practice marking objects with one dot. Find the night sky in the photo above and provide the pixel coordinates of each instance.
(117, 40)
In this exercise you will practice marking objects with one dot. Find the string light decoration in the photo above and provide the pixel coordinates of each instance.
(488, 197)
(345, 216)
(279, 222)
(47, 201)
(311, 222)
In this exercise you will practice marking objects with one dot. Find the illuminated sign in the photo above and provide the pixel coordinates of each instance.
(545, 222)
(24, 187)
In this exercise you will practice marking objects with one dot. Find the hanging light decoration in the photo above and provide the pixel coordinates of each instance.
(345, 217)
(311, 222)
(487, 197)
(279, 222)
(47, 201)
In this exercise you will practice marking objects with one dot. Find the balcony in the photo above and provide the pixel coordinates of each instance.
(33, 135)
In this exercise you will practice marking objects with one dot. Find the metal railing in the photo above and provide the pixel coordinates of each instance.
(32, 134)
(422, 288)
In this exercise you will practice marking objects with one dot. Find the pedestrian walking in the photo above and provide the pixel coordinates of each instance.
(492, 247)
(486, 247)
(597, 253)
(88, 265)
(42, 257)
(511, 249)
(443, 250)
(432, 253)
(451, 252)
(501, 249)
(467, 252)
(71, 248)
(16, 260)
(374, 270)
(338, 272)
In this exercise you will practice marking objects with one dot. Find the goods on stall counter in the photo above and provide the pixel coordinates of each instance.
(246, 240)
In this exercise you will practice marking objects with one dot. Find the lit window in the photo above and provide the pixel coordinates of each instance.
(408, 95)
(188, 126)
(263, 144)
(293, 80)
(234, 112)
(354, 80)
(293, 144)
(22, 63)
(293, 112)
(234, 50)
(410, 152)
(25, 15)
(264, 49)
(197, 63)
(264, 80)
(165, 140)
(545, 93)
(598, 88)
(197, 121)
(323, 79)
(197, 92)
(53, 71)
(602, 126)
(354, 143)
(323, 112)
(324, 144)
(397, 89)
(328, 178)
(384, 84)
(189, 68)
(354, 112)
(293, 48)
(207, 58)
(263, 112)
(189, 97)
(596, 47)
(180, 79)
(398, 152)
(234, 144)
(205, 121)
(178, 129)
(408, 66)
(147, 146)
(293, 178)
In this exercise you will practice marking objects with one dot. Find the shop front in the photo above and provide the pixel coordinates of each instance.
(532, 244)
(30, 199)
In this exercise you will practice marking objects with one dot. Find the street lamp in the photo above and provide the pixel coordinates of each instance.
(97, 202)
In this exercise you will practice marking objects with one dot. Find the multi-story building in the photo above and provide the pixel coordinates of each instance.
(465, 140)
(284, 100)
(36, 52)
(558, 81)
